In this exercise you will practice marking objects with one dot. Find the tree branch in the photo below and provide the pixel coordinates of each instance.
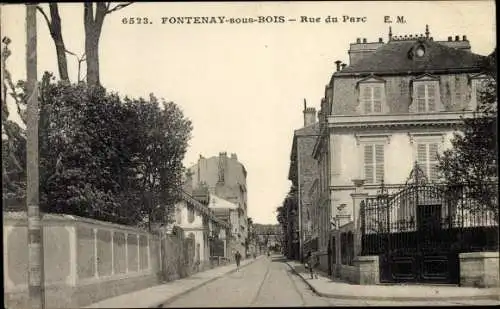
(49, 24)
(116, 8)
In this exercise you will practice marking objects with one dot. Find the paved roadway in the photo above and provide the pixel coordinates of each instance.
(270, 282)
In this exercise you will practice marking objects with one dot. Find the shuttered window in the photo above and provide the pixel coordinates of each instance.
(476, 87)
(427, 154)
(371, 98)
(374, 163)
(425, 97)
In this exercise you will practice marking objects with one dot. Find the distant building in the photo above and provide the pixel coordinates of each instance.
(303, 171)
(225, 179)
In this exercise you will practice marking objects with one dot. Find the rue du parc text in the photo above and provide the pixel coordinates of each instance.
(179, 20)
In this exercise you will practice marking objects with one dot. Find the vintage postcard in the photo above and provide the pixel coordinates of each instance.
(249, 154)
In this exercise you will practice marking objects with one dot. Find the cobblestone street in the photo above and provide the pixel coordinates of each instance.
(270, 282)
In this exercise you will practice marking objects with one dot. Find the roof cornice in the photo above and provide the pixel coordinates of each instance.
(397, 120)
(391, 73)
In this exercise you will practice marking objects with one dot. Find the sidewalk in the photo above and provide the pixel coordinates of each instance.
(156, 296)
(324, 286)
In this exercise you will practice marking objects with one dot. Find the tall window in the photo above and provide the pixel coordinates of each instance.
(427, 159)
(371, 96)
(374, 163)
(190, 214)
(425, 96)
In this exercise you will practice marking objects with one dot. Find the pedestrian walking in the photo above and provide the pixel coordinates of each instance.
(237, 258)
(311, 263)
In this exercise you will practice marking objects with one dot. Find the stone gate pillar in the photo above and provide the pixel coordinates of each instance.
(358, 196)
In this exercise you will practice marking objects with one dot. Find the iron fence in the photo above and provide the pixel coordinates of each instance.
(428, 216)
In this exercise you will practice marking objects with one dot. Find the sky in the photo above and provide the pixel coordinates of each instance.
(242, 85)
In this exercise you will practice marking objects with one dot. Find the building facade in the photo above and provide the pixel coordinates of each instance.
(302, 173)
(201, 224)
(393, 107)
(225, 179)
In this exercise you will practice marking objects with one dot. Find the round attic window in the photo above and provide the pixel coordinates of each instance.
(420, 51)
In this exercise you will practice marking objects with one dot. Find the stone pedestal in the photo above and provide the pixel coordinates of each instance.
(368, 267)
(479, 269)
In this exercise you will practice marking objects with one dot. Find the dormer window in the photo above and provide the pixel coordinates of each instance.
(372, 95)
(425, 95)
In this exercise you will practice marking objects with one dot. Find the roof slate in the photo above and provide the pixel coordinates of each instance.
(393, 58)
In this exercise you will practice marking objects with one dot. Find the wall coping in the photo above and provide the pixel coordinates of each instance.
(478, 255)
(359, 194)
(21, 217)
(366, 258)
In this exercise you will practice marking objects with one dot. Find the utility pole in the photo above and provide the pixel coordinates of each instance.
(35, 236)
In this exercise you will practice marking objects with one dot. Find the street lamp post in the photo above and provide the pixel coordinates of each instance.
(35, 229)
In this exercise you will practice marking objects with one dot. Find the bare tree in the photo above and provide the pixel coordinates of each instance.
(93, 27)
(54, 25)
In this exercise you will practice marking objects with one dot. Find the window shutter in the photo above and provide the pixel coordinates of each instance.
(366, 97)
(368, 158)
(433, 161)
(422, 157)
(420, 97)
(431, 97)
(377, 99)
(379, 162)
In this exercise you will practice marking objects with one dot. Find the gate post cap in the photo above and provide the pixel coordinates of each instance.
(358, 182)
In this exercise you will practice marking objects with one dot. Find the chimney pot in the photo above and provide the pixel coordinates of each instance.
(358, 40)
(380, 40)
(343, 65)
(464, 38)
(432, 39)
(450, 39)
(364, 40)
(337, 63)
(457, 38)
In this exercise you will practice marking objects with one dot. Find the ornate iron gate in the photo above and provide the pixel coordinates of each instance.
(419, 230)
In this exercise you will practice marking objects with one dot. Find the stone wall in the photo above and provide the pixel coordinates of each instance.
(87, 260)
(479, 269)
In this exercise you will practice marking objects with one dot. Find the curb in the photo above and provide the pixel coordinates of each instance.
(396, 298)
(175, 297)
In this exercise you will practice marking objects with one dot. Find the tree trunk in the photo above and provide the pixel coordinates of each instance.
(93, 28)
(92, 54)
(56, 33)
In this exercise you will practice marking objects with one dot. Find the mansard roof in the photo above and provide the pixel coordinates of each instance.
(396, 57)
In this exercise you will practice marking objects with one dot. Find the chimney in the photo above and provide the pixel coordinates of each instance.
(343, 65)
(464, 38)
(358, 50)
(380, 40)
(234, 156)
(222, 166)
(309, 115)
(450, 39)
(457, 38)
(337, 63)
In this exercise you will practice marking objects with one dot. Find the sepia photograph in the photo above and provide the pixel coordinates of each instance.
(249, 154)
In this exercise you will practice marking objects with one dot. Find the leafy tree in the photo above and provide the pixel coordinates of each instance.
(472, 160)
(103, 157)
(13, 139)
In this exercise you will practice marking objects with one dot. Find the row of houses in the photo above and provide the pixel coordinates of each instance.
(213, 209)
(364, 168)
